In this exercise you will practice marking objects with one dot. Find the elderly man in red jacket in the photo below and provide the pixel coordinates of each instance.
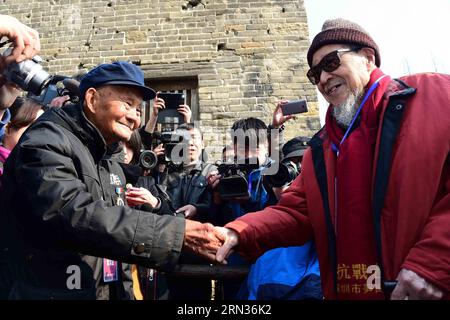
(374, 192)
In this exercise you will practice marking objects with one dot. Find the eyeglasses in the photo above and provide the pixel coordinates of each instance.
(329, 63)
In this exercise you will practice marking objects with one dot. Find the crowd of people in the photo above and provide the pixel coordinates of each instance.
(83, 218)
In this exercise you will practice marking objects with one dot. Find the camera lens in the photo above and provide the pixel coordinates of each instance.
(286, 173)
(148, 159)
(28, 75)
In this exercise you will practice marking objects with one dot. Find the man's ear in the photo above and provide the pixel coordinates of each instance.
(369, 53)
(90, 100)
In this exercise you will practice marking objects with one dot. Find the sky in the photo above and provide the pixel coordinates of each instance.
(413, 35)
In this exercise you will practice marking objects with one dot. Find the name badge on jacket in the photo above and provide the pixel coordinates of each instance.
(110, 267)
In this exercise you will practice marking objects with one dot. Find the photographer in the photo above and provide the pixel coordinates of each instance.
(289, 166)
(290, 273)
(147, 131)
(250, 142)
(186, 186)
(26, 45)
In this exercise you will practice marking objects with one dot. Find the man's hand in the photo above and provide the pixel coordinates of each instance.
(231, 241)
(188, 210)
(158, 104)
(59, 101)
(25, 40)
(278, 118)
(185, 110)
(213, 179)
(411, 286)
(159, 150)
(202, 239)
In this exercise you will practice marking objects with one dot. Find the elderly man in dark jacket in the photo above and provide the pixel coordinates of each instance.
(64, 223)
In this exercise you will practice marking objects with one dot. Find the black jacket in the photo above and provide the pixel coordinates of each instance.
(59, 212)
(188, 185)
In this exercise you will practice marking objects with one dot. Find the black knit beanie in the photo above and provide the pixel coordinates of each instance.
(340, 31)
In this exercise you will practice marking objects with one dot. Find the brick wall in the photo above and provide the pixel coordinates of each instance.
(246, 54)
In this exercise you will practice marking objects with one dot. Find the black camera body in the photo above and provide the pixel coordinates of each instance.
(176, 146)
(234, 183)
(287, 172)
(58, 86)
(40, 85)
(28, 74)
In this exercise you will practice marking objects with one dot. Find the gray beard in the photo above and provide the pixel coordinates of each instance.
(344, 113)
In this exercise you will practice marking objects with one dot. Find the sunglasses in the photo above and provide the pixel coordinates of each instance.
(329, 63)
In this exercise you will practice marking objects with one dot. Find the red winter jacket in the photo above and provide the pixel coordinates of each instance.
(415, 217)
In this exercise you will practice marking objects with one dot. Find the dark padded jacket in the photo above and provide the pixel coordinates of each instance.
(59, 212)
(188, 185)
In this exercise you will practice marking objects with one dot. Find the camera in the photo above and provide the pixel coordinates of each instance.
(58, 86)
(287, 172)
(40, 85)
(28, 75)
(148, 159)
(176, 146)
(233, 182)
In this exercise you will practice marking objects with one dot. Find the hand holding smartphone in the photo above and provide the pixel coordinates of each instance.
(294, 107)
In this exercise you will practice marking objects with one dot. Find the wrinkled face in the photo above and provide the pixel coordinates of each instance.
(351, 76)
(115, 110)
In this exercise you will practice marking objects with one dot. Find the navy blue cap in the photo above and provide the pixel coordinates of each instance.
(120, 73)
(295, 147)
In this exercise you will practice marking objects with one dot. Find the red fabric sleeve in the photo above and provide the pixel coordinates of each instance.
(430, 256)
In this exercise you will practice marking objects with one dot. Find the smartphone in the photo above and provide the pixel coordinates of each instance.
(172, 100)
(294, 107)
(170, 113)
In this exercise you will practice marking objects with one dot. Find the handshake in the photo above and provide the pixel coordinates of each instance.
(208, 241)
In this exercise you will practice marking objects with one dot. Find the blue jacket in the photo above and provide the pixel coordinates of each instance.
(285, 274)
